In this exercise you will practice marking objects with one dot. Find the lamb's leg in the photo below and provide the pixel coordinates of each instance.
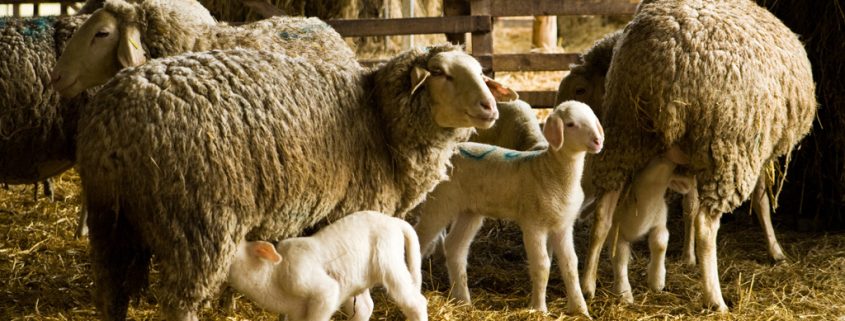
(456, 247)
(706, 229)
(658, 241)
(598, 234)
(48, 188)
(564, 248)
(621, 285)
(82, 226)
(760, 205)
(404, 292)
(690, 203)
(359, 307)
(432, 222)
(119, 261)
(322, 300)
(534, 239)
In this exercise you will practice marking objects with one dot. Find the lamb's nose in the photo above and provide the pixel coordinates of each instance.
(597, 141)
(486, 105)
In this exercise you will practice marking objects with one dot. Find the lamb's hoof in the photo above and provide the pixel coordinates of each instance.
(589, 291)
(578, 310)
(626, 297)
(657, 286)
(719, 307)
(779, 257)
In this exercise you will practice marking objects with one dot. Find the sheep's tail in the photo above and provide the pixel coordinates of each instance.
(412, 255)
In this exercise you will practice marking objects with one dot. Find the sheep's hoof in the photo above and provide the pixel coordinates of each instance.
(626, 297)
(719, 307)
(589, 290)
(579, 310)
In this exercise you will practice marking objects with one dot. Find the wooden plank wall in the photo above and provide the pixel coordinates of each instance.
(64, 5)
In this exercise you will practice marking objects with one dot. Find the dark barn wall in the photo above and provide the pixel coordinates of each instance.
(814, 195)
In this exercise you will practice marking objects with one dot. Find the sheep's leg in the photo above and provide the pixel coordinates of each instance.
(564, 247)
(119, 262)
(760, 205)
(690, 203)
(706, 229)
(658, 241)
(404, 292)
(456, 247)
(621, 285)
(598, 234)
(48, 188)
(322, 301)
(359, 307)
(535, 240)
(82, 226)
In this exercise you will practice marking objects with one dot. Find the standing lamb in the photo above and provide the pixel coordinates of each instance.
(308, 278)
(36, 128)
(234, 144)
(539, 190)
(585, 82)
(727, 82)
(124, 34)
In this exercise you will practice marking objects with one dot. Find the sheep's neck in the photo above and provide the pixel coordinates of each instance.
(567, 165)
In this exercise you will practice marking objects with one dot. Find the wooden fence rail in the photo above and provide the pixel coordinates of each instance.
(479, 23)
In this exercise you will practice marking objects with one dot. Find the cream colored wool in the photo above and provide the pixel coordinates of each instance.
(517, 128)
(724, 80)
(183, 157)
(36, 128)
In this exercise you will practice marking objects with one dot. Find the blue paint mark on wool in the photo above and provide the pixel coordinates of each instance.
(469, 154)
(515, 155)
(37, 26)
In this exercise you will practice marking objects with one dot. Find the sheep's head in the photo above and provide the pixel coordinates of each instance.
(459, 93)
(113, 39)
(574, 127)
(582, 86)
(251, 261)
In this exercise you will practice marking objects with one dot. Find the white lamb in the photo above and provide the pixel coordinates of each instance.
(643, 212)
(307, 278)
(539, 190)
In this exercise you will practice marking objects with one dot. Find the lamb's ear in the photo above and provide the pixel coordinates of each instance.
(500, 91)
(677, 156)
(265, 251)
(130, 53)
(553, 130)
(418, 77)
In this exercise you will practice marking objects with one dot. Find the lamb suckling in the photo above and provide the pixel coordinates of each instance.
(725, 81)
(539, 190)
(585, 82)
(127, 33)
(242, 144)
(308, 278)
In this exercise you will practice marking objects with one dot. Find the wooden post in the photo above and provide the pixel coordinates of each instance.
(63, 9)
(456, 8)
(16, 10)
(36, 9)
(544, 34)
(482, 42)
(408, 12)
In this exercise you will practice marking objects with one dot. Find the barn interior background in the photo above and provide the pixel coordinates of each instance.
(46, 275)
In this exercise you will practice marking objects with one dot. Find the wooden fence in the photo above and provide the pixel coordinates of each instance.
(479, 23)
(64, 6)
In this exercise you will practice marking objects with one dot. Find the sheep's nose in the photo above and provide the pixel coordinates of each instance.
(486, 105)
(597, 141)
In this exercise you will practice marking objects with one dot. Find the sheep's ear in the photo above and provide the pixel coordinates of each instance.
(677, 156)
(418, 77)
(130, 53)
(500, 92)
(553, 130)
(265, 251)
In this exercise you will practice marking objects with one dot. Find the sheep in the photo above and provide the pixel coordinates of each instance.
(585, 82)
(234, 144)
(547, 203)
(307, 278)
(124, 34)
(36, 128)
(724, 80)
(517, 128)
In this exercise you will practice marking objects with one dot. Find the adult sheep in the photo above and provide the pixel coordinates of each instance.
(124, 34)
(183, 157)
(585, 82)
(724, 80)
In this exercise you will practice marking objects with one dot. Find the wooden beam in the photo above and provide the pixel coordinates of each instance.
(509, 8)
(411, 26)
(538, 99)
(534, 62)
(482, 40)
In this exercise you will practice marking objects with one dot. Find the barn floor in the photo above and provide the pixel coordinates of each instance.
(47, 274)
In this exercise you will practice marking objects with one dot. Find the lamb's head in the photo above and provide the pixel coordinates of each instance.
(573, 127)
(253, 262)
(115, 37)
(458, 92)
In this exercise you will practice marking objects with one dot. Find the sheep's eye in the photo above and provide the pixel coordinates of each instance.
(436, 72)
(101, 34)
(580, 91)
(570, 125)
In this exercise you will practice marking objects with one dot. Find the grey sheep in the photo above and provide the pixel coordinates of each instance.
(725, 81)
(124, 34)
(585, 82)
(517, 128)
(185, 156)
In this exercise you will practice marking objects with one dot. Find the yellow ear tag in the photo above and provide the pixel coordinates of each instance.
(131, 41)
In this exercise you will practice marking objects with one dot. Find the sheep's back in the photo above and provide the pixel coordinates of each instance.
(238, 139)
(725, 80)
(36, 131)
